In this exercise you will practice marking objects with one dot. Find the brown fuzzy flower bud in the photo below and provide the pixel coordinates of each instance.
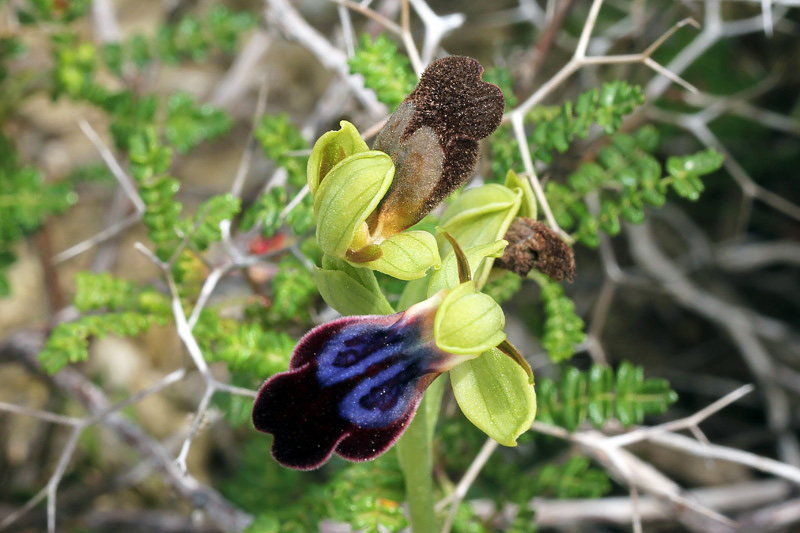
(433, 137)
(533, 245)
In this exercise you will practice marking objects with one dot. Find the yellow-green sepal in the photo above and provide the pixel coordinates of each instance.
(480, 216)
(468, 321)
(350, 290)
(345, 198)
(447, 277)
(528, 206)
(495, 395)
(330, 149)
(407, 255)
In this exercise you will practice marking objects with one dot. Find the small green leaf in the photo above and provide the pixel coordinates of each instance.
(468, 322)
(349, 193)
(330, 149)
(494, 394)
(350, 290)
(407, 255)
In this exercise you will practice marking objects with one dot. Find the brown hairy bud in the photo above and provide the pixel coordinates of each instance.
(533, 245)
(433, 137)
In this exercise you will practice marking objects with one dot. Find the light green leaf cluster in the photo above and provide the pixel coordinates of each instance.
(130, 310)
(69, 342)
(563, 329)
(247, 348)
(203, 228)
(293, 290)
(384, 68)
(558, 126)
(278, 137)
(627, 176)
(51, 11)
(149, 163)
(26, 201)
(189, 124)
(600, 395)
(605, 107)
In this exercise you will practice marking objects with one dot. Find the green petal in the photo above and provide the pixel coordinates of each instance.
(494, 394)
(330, 149)
(350, 290)
(468, 322)
(349, 193)
(480, 216)
(407, 255)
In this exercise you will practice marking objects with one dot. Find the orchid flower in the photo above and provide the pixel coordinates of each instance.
(354, 384)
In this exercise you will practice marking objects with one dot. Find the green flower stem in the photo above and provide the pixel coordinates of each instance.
(414, 450)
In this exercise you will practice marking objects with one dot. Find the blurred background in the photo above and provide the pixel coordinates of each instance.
(704, 294)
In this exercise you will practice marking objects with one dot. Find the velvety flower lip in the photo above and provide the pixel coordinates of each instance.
(352, 387)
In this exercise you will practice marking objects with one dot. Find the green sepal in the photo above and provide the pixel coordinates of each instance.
(330, 149)
(528, 207)
(447, 277)
(407, 255)
(350, 192)
(494, 394)
(350, 290)
(468, 322)
(481, 216)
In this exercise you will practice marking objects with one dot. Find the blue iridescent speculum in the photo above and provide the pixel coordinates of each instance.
(352, 387)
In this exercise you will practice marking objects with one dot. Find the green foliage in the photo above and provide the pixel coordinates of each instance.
(203, 228)
(52, 11)
(131, 310)
(367, 495)
(685, 172)
(130, 113)
(557, 126)
(278, 136)
(266, 211)
(626, 176)
(246, 348)
(563, 329)
(95, 292)
(601, 394)
(573, 479)
(293, 291)
(69, 342)
(194, 37)
(149, 162)
(605, 106)
(385, 69)
(25, 202)
(189, 124)
(301, 218)
(74, 66)
(226, 27)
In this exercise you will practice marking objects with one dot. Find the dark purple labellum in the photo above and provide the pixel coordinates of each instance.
(352, 387)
